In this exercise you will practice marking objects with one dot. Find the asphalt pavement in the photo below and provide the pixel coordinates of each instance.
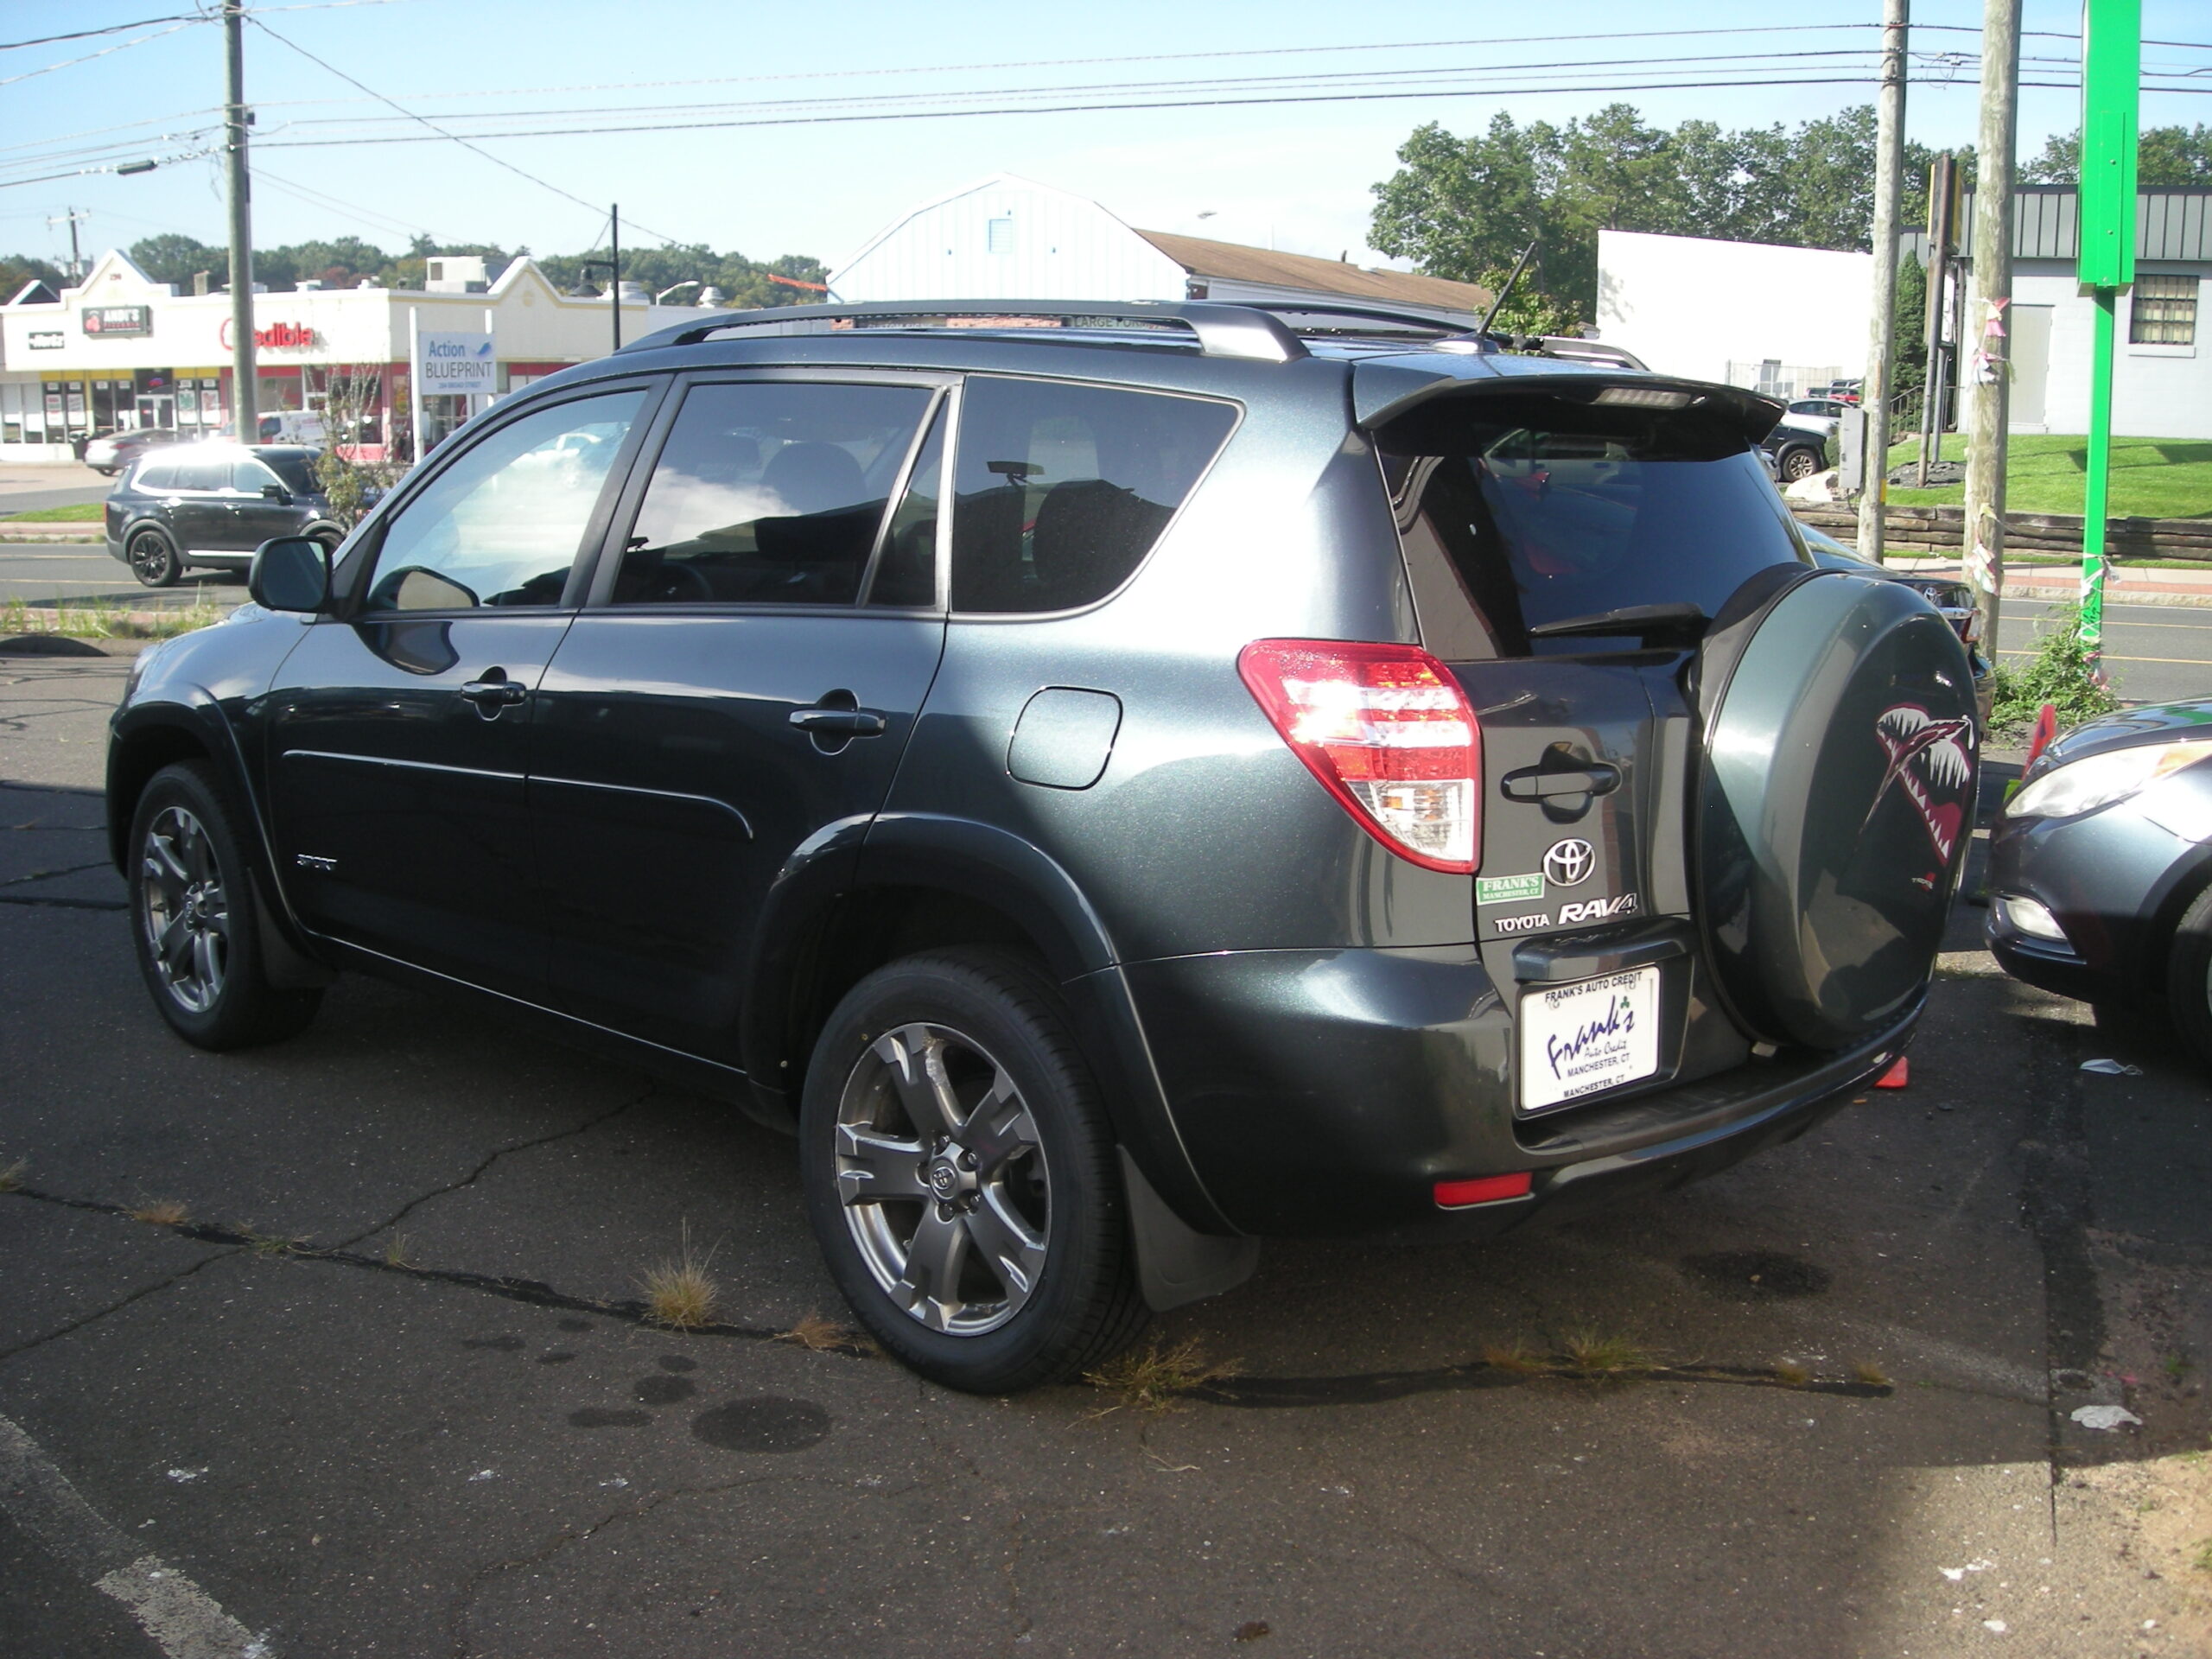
(2153, 653)
(377, 1383)
(83, 573)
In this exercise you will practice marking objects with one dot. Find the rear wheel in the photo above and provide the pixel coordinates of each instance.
(961, 1178)
(1798, 463)
(153, 560)
(2189, 977)
(195, 920)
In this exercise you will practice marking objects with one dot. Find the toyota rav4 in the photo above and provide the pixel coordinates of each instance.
(1117, 782)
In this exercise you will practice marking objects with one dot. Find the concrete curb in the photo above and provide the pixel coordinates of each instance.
(39, 535)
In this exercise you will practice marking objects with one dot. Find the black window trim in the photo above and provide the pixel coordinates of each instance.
(358, 567)
(944, 384)
(951, 509)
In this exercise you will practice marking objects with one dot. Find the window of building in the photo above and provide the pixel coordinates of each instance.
(1061, 490)
(998, 236)
(2164, 312)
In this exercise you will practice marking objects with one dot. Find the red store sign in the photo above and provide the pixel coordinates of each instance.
(276, 336)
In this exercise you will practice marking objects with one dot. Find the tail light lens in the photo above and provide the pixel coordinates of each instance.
(1389, 733)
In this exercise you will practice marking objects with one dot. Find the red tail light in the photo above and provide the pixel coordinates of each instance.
(1389, 733)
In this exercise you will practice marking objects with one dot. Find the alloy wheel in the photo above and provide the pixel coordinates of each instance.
(151, 562)
(943, 1179)
(183, 909)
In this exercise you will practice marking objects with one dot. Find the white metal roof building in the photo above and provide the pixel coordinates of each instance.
(1009, 238)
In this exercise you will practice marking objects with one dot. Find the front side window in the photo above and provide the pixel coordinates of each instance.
(2164, 312)
(769, 491)
(504, 524)
(252, 478)
(1519, 512)
(1061, 490)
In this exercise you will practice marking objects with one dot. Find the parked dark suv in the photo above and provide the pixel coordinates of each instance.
(1115, 790)
(211, 504)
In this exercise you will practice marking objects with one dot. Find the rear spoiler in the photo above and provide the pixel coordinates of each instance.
(1383, 390)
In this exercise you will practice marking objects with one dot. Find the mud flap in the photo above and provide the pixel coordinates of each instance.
(1176, 1264)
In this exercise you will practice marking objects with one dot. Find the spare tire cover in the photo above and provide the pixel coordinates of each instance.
(1835, 806)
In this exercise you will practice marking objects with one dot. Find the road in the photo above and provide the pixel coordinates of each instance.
(2153, 653)
(80, 572)
(383, 1388)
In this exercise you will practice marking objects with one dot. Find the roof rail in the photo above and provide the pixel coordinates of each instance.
(1436, 322)
(1222, 330)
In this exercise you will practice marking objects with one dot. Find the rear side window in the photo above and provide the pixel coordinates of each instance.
(1061, 490)
(157, 475)
(202, 475)
(1515, 513)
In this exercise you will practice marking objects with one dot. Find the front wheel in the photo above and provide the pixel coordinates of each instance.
(153, 560)
(961, 1175)
(194, 921)
(2189, 978)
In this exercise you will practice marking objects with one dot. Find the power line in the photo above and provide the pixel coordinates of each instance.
(112, 29)
(105, 51)
(434, 127)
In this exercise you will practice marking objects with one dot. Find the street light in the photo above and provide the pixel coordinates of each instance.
(662, 297)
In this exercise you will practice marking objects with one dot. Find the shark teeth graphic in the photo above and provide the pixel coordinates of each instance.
(1924, 751)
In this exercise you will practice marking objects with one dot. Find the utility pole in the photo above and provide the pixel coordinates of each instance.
(1942, 238)
(72, 216)
(1987, 386)
(245, 415)
(2112, 60)
(1889, 182)
(615, 255)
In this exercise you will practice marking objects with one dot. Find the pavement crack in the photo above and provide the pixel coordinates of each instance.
(169, 1283)
(476, 1173)
(47, 875)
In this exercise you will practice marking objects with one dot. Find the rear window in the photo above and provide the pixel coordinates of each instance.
(1519, 512)
(1061, 490)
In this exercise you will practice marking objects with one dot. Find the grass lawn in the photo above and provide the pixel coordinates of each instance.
(84, 512)
(2152, 478)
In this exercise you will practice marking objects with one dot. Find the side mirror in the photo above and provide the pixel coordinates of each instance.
(290, 573)
(276, 493)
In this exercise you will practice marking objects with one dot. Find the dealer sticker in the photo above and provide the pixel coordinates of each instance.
(1508, 889)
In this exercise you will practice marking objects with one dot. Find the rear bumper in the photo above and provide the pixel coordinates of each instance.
(1325, 1093)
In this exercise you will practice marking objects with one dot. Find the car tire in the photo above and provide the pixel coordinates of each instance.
(195, 920)
(2189, 977)
(1798, 464)
(961, 1175)
(153, 559)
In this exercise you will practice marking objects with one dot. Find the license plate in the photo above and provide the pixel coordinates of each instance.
(1585, 1038)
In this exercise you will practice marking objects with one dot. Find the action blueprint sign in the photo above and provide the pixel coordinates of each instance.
(455, 364)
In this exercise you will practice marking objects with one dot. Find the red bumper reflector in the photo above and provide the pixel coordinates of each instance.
(1897, 1076)
(1482, 1189)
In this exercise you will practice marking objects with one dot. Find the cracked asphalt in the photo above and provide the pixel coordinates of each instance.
(378, 1384)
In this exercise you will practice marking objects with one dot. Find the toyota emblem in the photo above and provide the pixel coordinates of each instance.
(1569, 862)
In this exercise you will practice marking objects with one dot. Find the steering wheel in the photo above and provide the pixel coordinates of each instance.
(680, 584)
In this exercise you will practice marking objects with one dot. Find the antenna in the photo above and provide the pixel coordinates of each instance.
(1504, 293)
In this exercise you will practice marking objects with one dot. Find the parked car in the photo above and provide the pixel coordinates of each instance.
(112, 451)
(2101, 868)
(1114, 791)
(1953, 599)
(1796, 447)
(210, 504)
(1842, 391)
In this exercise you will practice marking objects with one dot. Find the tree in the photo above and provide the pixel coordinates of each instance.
(173, 258)
(2163, 155)
(17, 268)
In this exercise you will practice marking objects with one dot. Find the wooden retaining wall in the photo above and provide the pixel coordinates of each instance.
(1941, 530)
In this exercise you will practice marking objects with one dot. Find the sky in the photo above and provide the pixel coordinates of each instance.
(1293, 175)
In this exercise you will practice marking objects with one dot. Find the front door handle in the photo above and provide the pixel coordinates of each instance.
(831, 722)
(494, 693)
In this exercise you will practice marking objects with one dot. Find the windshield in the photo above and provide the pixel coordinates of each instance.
(1510, 523)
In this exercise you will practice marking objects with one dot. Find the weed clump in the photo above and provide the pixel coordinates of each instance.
(11, 1175)
(2058, 672)
(680, 1293)
(162, 1213)
(1605, 1356)
(1152, 1379)
(818, 1335)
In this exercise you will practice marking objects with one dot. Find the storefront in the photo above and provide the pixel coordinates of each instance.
(121, 351)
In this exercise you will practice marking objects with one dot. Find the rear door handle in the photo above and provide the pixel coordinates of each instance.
(494, 693)
(831, 722)
(1533, 783)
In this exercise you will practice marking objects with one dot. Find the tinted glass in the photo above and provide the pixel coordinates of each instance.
(906, 572)
(157, 475)
(252, 477)
(1061, 490)
(1526, 511)
(503, 524)
(203, 473)
(295, 472)
(769, 492)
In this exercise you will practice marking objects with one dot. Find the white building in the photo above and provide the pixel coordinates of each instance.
(1009, 238)
(120, 350)
(1784, 319)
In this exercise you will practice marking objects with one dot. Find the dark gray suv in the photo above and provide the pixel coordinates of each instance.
(1117, 782)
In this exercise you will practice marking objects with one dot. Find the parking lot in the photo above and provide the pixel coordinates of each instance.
(345, 1333)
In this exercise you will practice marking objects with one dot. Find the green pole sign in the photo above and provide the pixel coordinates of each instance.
(2112, 57)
